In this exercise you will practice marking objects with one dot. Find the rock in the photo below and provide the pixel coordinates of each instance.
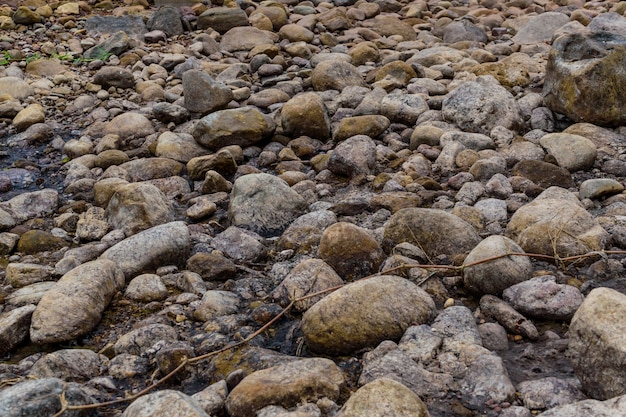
(543, 298)
(353, 157)
(389, 25)
(16, 88)
(334, 19)
(493, 336)
(430, 229)
(203, 94)
(540, 28)
(212, 398)
(495, 276)
(41, 397)
(597, 343)
(19, 274)
(215, 304)
(221, 162)
(212, 266)
(479, 106)
(350, 250)
(335, 75)
(25, 16)
(74, 305)
(35, 241)
(245, 38)
(403, 108)
(384, 396)
(146, 288)
(308, 277)
(244, 126)
(304, 234)
(306, 114)
(165, 403)
(30, 294)
(548, 393)
(577, 71)
(137, 341)
(240, 244)
(114, 77)
(555, 223)
(365, 313)
(370, 125)
(463, 30)
(590, 408)
(286, 385)
(599, 187)
(169, 112)
(14, 327)
(456, 323)
(168, 20)
(77, 365)
(510, 71)
(263, 204)
(180, 147)
(473, 141)
(160, 245)
(572, 152)
(31, 115)
(543, 173)
(138, 206)
(130, 124)
(222, 19)
(511, 320)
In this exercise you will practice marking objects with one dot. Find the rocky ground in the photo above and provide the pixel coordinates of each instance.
(287, 208)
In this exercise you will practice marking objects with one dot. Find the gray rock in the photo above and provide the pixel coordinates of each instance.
(508, 317)
(572, 152)
(138, 206)
(215, 304)
(14, 327)
(548, 393)
(457, 324)
(77, 365)
(479, 106)
(384, 396)
(596, 343)
(486, 379)
(212, 398)
(42, 398)
(544, 174)
(589, 408)
(165, 244)
(474, 141)
(168, 20)
(165, 403)
(146, 288)
(137, 341)
(74, 305)
(540, 28)
(403, 108)
(245, 38)
(264, 204)
(306, 114)
(370, 125)
(16, 88)
(354, 156)
(421, 343)
(335, 75)
(33, 204)
(125, 365)
(130, 124)
(20, 274)
(286, 385)
(240, 244)
(463, 30)
(222, 19)
(365, 313)
(31, 294)
(170, 112)
(587, 65)
(203, 94)
(556, 221)
(114, 77)
(244, 126)
(180, 147)
(308, 277)
(599, 187)
(493, 337)
(304, 234)
(494, 276)
(543, 298)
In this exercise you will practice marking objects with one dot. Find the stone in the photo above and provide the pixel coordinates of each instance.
(165, 244)
(287, 385)
(351, 250)
(495, 276)
(389, 25)
(596, 343)
(548, 393)
(584, 78)
(168, 20)
(479, 106)
(180, 147)
(493, 337)
(540, 28)
(41, 397)
(77, 365)
(244, 126)
(308, 277)
(215, 304)
(130, 124)
(430, 229)
(74, 305)
(370, 125)
(335, 75)
(138, 206)
(264, 204)
(556, 224)
(203, 94)
(146, 288)
(543, 298)
(599, 187)
(14, 327)
(544, 174)
(463, 30)
(240, 244)
(212, 266)
(572, 152)
(381, 397)
(21, 274)
(244, 38)
(304, 234)
(222, 19)
(114, 77)
(165, 403)
(354, 156)
(139, 340)
(590, 408)
(31, 115)
(16, 88)
(403, 108)
(306, 114)
(493, 307)
(25, 16)
(364, 313)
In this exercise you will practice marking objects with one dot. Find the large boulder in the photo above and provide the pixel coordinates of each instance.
(479, 106)
(597, 343)
(264, 204)
(556, 224)
(365, 313)
(586, 78)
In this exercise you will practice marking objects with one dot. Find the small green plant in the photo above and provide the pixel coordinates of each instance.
(33, 57)
(100, 54)
(6, 58)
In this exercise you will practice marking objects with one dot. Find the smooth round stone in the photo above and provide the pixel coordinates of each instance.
(599, 187)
